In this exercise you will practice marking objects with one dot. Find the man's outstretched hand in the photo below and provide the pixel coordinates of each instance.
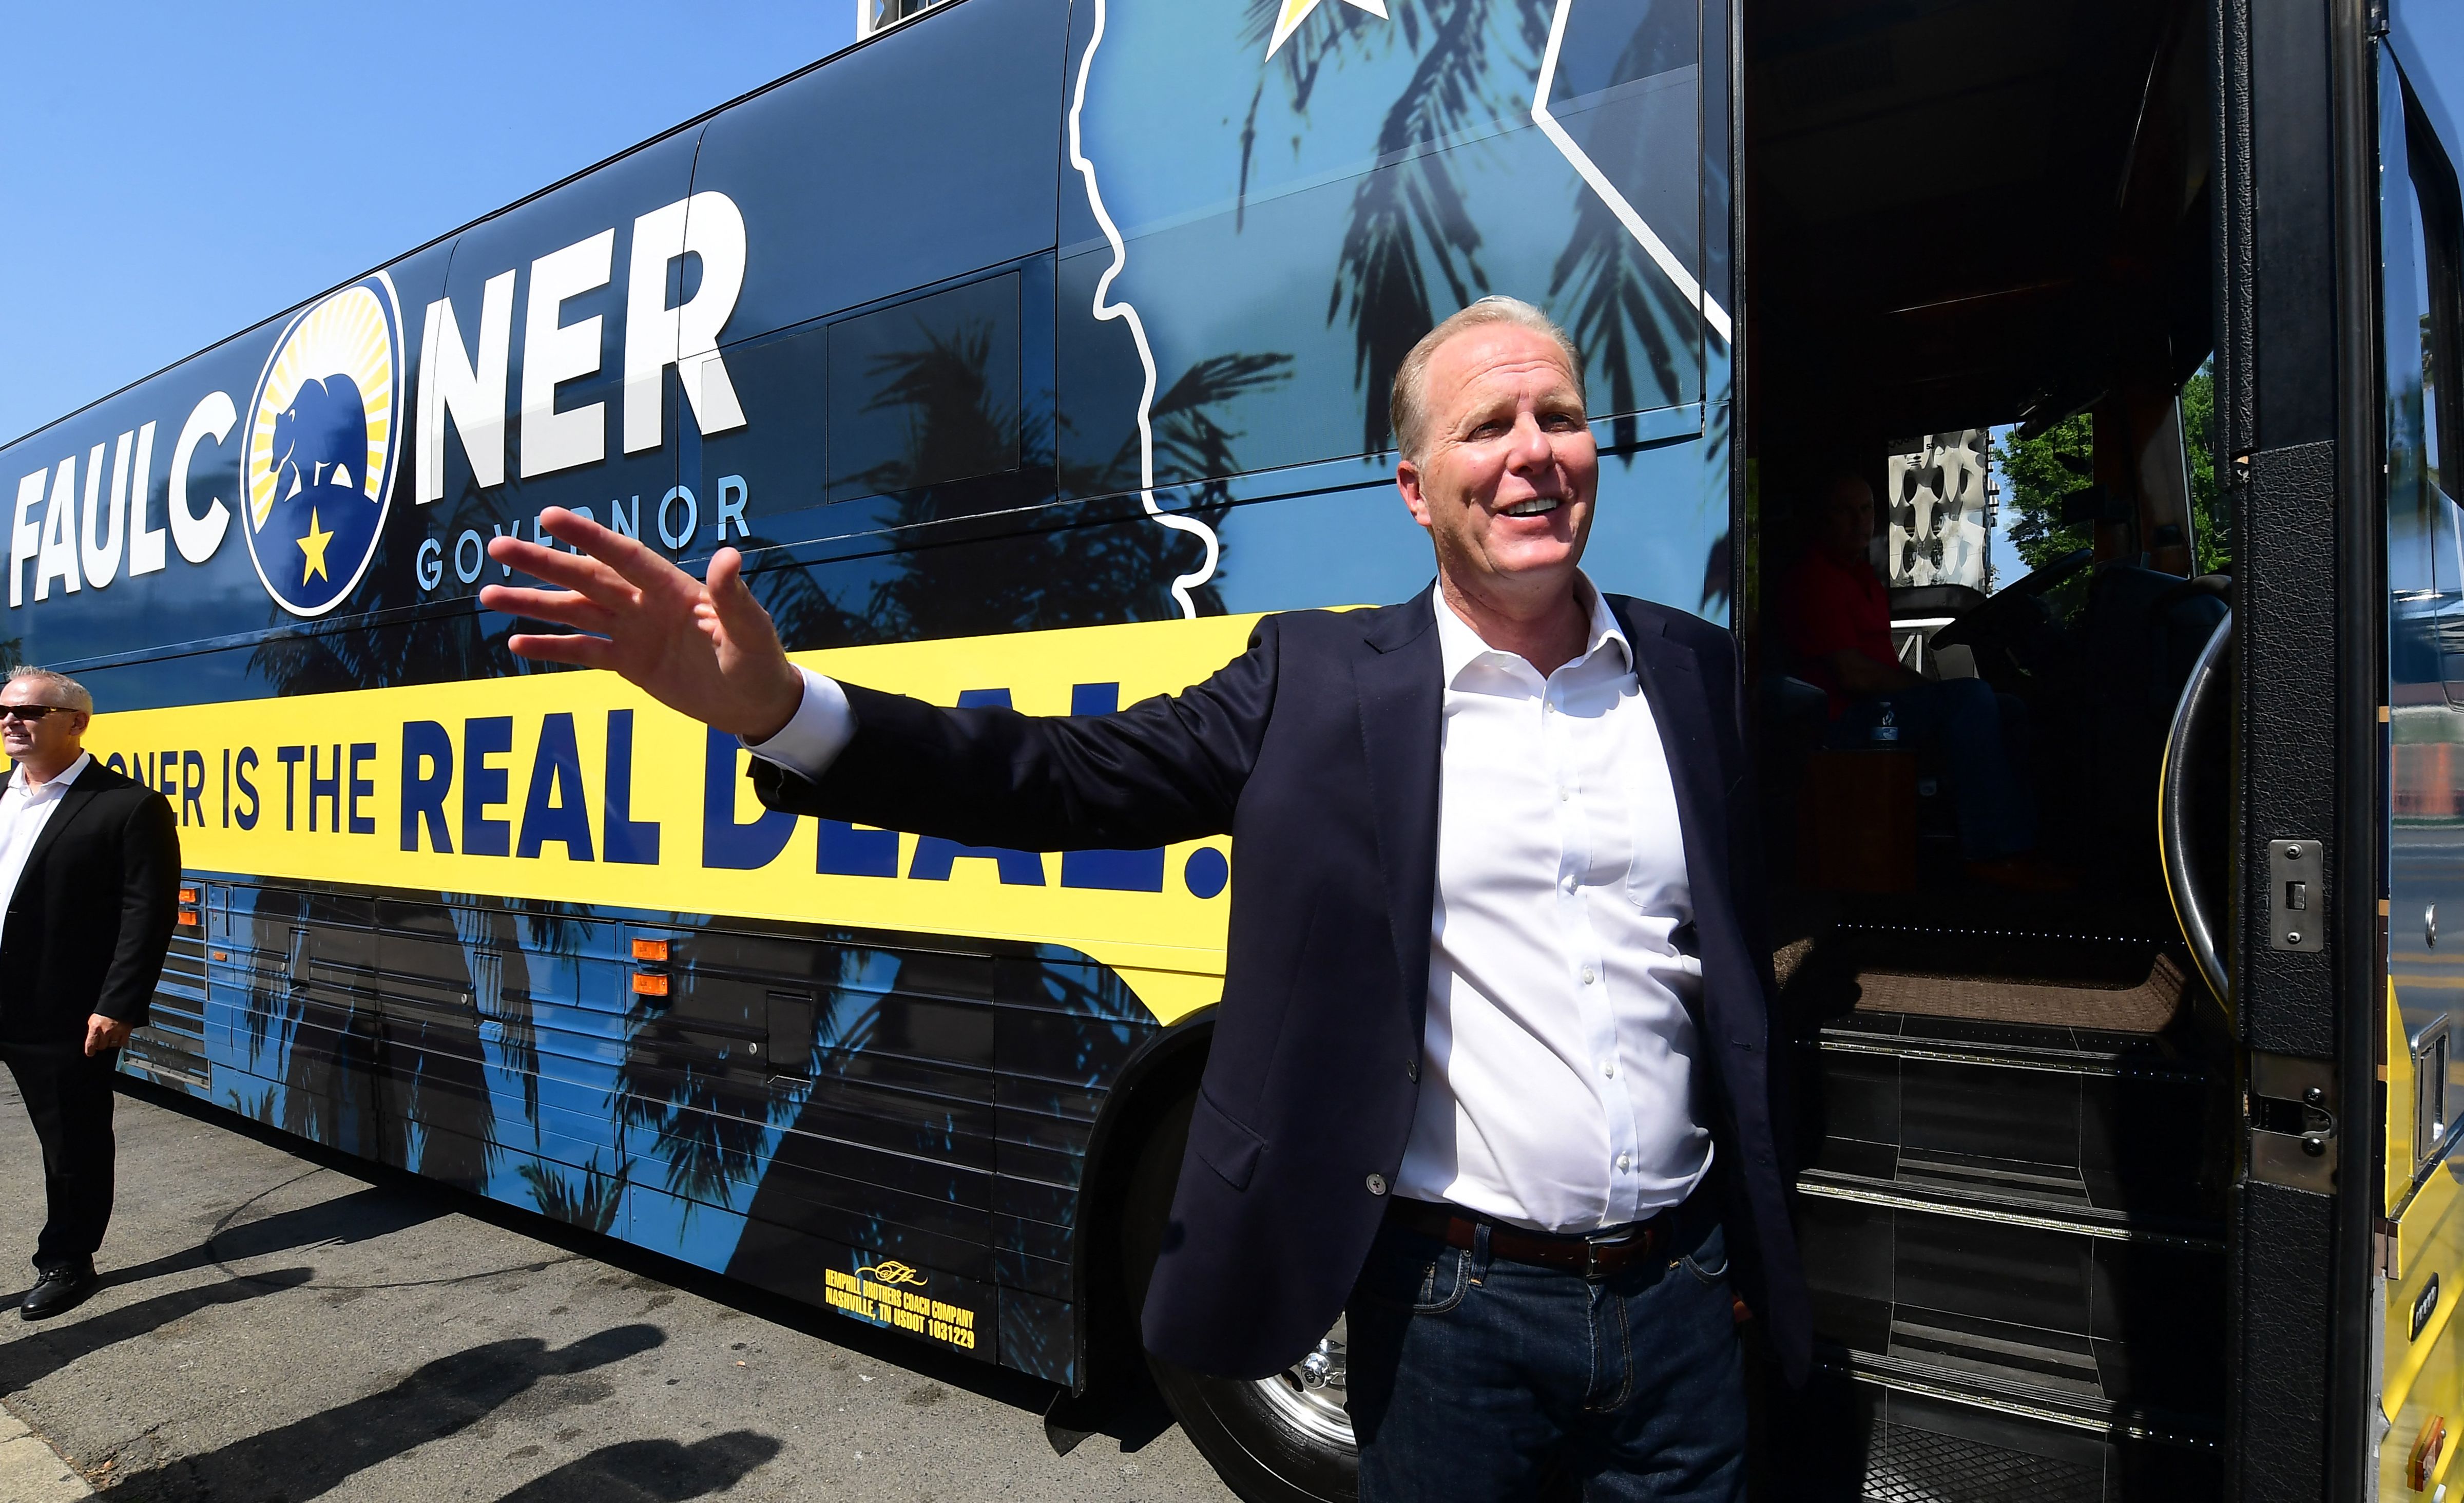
(706, 650)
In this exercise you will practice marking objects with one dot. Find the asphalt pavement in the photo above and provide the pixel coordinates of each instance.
(279, 1324)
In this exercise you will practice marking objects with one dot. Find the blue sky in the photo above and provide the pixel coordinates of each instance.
(173, 175)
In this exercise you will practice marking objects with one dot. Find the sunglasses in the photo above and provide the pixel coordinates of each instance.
(31, 712)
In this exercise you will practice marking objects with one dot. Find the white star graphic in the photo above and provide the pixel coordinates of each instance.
(1295, 12)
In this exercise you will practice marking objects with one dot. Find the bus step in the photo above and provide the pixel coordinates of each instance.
(1885, 1431)
(2057, 1305)
(2151, 997)
(2042, 1116)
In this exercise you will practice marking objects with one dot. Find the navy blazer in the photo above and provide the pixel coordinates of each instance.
(1317, 749)
(93, 912)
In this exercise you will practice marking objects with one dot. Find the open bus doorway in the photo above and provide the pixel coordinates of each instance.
(1961, 218)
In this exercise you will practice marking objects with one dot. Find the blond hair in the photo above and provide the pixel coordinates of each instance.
(1407, 409)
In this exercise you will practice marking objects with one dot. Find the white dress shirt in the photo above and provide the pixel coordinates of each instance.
(25, 808)
(1557, 1086)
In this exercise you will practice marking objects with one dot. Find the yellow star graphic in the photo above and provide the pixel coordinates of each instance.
(1295, 12)
(314, 545)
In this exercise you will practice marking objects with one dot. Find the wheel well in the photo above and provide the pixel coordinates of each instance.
(1161, 1072)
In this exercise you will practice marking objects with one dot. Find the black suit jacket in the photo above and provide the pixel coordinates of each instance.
(1318, 750)
(93, 912)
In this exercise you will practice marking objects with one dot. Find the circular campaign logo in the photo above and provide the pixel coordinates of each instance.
(317, 470)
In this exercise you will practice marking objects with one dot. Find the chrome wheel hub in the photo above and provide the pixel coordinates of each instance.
(1312, 1393)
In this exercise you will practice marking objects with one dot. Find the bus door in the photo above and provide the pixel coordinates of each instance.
(2013, 1080)
(2126, 1160)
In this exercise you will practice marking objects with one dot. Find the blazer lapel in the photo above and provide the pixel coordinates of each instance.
(1403, 702)
(75, 801)
(1672, 685)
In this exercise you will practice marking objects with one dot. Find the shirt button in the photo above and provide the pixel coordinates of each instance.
(1377, 1184)
(1411, 1070)
(1566, 881)
(1608, 1068)
(1565, 795)
(1589, 975)
(1625, 1161)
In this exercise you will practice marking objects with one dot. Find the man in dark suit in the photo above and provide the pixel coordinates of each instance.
(1492, 1068)
(89, 893)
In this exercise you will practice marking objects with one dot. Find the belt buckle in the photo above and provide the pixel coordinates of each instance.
(1592, 1247)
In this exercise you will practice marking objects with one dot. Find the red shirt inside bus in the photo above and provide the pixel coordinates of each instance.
(1835, 607)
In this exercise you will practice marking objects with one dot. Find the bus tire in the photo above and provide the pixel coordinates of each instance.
(1269, 1444)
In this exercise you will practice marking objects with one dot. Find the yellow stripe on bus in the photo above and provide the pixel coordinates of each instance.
(533, 805)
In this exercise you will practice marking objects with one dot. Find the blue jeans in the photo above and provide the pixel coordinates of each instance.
(1474, 1380)
(1976, 730)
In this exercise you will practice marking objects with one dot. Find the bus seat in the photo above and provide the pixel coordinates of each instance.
(1795, 711)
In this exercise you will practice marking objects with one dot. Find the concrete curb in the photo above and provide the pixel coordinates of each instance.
(31, 1471)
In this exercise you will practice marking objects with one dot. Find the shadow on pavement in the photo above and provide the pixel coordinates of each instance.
(312, 1456)
(47, 1348)
(1134, 1418)
(362, 1216)
(651, 1472)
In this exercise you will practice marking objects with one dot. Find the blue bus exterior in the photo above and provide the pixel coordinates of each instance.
(1028, 350)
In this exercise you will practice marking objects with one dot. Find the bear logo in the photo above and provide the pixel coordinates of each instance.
(319, 462)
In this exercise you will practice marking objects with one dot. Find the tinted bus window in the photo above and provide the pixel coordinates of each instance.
(548, 418)
(1377, 176)
(2419, 241)
(2438, 231)
(921, 156)
(2419, 248)
(925, 392)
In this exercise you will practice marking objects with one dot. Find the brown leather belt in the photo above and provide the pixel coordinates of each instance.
(1595, 1255)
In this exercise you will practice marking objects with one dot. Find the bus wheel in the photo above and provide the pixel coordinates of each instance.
(1285, 1439)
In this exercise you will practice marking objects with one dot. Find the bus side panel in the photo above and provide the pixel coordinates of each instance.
(2422, 1378)
(529, 935)
(893, 1129)
(2421, 243)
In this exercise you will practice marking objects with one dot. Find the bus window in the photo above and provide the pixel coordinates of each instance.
(872, 15)
(940, 192)
(925, 392)
(2425, 530)
(2432, 381)
(2436, 219)
(1455, 146)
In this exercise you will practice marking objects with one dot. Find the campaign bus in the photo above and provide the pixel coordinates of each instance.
(1031, 350)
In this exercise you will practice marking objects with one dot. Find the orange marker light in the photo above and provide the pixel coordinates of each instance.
(188, 919)
(650, 949)
(2424, 1461)
(647, 985)
(187, 894)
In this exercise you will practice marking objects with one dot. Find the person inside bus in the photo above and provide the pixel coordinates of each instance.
(1492, 1068)
(1838, 630)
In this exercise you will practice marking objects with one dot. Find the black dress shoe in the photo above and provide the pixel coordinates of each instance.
(57, 1290)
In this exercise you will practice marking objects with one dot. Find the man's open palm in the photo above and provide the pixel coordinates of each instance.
(708, 650)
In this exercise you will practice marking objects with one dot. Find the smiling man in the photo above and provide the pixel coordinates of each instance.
(1491, 1074)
